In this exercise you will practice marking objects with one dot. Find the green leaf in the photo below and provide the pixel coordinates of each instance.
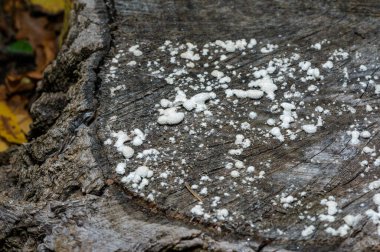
(19, 47)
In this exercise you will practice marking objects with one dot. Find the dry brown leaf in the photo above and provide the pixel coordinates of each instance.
(42, 40)
(3, 93)
(15, 119)
(18, 83)
(11, 5)
(37, 75)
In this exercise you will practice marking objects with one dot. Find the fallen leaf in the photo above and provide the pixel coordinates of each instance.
(3, 92)
(9, 128)
(11, 5)
(37, 75)
(19, 47)
(18, 83)
(18, 105)
(50, 6)
(34, 24)
(66, 22)
(42, 40)
(3, 145)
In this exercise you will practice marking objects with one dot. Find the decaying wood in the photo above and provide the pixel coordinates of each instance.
(60, 191)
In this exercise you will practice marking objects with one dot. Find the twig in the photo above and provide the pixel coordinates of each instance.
(196, 195)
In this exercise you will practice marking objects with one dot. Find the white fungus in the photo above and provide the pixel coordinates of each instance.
(309, 128)
(217, 74)
(252, 115)
(198, 101)
(308, 231)
(253, 94)
(331, 206)
(235, 174)
(365, 134)
(341, 231)
(328, 64)
(250, 169)
(304, 65)
(276, 132)
(287, 114)
(190, 55)
(134, 49)
(139, 137)
(222, 214)
(363, 68)
(268, 48)
(266, 85)
(354, 137)
(352, 220)
(123, 137)
(170, 116)
(139, 178)
(120, 168)
(197, 210)
(374, 185)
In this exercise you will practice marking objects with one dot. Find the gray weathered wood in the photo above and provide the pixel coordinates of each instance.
(61, 192)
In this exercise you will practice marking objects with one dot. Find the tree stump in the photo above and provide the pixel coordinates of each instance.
(203, 125)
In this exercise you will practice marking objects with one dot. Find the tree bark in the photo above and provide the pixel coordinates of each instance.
(60, 191)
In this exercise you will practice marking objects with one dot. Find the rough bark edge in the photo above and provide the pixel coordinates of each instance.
(29, 222)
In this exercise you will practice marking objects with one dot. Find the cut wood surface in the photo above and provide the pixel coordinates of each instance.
(146, 139)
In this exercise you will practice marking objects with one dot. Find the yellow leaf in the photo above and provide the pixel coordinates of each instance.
(50, 6)
(66, 22)
(24, 121)
(17, 105)
(3, 145)
(9, 127)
